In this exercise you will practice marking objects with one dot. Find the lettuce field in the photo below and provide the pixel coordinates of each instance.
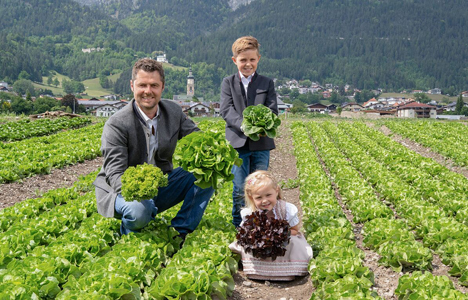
(361, 193)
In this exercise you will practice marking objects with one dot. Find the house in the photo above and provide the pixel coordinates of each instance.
(372, 104)
(464, 94)
(162, 58)
(331, 107)
(92, 104)
(282, 107)
(417, 110)
(216, 107)
(435, 91)
(198, 109)
(110, 97)
(108, 110)
(326, 94)
(352, 106)
(453, 105)
(317, 107)
(185, 98)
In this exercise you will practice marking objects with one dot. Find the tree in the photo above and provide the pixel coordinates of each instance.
(298, 107)
(294, 94)
(21, 106)
(103, 81)
(22, 86)
(24, 75)
(56, 82)
(422, 98)
(459, 106)
(339, 109)
(72, 86)
(28, 96)
(464, 111)
(5, 106)
(49, 79)
(43, 104)
(70, 101)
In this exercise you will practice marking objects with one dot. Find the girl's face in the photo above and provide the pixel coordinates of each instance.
(265, 197)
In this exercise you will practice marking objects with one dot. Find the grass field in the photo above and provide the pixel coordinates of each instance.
(92, 86)
(438, 98)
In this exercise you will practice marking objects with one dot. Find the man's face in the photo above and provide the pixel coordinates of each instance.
(147, 90)
(247, 62)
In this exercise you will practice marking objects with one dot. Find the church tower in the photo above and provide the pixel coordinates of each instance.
(190, 84)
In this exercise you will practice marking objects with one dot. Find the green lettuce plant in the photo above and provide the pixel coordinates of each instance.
(258, 121)
(209, 156)
(142, 182)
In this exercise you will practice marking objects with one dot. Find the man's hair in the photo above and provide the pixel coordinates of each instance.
(148, 65)
(243, 44)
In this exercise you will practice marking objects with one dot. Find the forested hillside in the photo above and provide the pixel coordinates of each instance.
(391, 44)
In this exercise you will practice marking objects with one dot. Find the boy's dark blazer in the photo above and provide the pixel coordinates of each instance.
(261, 90)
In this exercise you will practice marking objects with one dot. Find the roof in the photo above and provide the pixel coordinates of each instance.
(415, 104)
(316, 105)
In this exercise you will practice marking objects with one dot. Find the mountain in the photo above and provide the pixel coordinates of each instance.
(390, 44)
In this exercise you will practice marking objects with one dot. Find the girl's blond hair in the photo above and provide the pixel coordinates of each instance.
(256, 180)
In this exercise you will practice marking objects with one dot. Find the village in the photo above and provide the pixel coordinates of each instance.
(399, 107)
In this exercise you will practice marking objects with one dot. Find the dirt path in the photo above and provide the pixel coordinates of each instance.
(35, 186)
(283, 167)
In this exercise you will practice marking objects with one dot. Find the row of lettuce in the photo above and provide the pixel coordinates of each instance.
(359, 177)
(27, 128)
(38, 155)
(449, 139)
(58, 247)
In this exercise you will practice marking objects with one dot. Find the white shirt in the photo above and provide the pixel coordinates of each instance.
(291, 214)
(245, 81)
(153, 139)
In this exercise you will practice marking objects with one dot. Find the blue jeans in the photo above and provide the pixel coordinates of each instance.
(135, 215)
(251, 162)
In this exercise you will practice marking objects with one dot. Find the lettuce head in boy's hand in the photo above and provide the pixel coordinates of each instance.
(258, 121)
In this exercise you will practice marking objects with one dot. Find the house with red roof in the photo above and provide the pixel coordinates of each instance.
(415, 109)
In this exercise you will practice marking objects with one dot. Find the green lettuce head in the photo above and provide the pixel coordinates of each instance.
(258, 121)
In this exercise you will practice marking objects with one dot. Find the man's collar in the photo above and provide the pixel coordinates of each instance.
(145, 117)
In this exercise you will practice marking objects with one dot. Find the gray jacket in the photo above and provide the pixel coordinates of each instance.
(125, 143)
(261, 90)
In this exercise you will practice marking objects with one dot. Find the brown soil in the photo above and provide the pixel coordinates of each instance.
(35, 186)
(283, 166)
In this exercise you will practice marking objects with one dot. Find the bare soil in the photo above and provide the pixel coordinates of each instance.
(283, 166)
(35, 186)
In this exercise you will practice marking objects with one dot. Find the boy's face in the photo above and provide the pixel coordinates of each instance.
(247, 62)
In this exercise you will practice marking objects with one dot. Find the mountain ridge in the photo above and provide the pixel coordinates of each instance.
(398, 44)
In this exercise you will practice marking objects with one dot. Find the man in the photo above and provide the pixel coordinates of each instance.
(147, 130)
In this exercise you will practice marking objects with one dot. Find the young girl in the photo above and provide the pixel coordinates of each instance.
(263, 193)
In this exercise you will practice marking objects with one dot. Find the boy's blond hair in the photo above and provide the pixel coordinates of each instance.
(256, 180)
(243, 44)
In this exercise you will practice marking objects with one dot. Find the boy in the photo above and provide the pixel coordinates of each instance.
(242, 89)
